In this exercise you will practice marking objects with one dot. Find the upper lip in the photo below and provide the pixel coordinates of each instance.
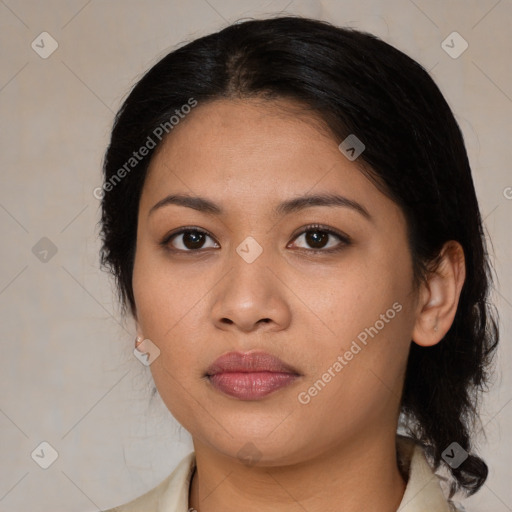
(248, 362)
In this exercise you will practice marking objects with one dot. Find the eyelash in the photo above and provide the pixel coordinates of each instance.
(345, 240)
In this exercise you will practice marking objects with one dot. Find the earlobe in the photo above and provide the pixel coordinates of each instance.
(440, 296)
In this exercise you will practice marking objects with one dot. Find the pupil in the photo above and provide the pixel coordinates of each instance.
(315, 238)
(195, 238)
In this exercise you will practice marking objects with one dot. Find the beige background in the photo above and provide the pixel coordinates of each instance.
(68, 376)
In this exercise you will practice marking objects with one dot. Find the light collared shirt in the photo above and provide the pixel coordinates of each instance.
(423, 492)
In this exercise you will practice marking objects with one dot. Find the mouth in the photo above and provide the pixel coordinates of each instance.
(250, 376)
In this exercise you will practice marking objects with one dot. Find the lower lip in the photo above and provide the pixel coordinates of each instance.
(250, 386)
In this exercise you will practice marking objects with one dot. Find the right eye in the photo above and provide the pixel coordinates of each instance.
(188, 239)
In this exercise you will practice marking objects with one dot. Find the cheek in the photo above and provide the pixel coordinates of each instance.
(369, 316)
(366, 296)
(159, 293)
(168, 307)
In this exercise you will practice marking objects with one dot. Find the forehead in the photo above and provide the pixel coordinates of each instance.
(255, 152)
(243, 129)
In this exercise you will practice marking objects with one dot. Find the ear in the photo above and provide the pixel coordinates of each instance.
(439, 297)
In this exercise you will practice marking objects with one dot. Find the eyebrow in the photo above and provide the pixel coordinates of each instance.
(296, 204)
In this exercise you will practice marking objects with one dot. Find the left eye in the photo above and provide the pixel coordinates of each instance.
(318, 239)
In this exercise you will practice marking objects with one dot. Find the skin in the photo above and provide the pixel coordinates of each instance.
(339, 449)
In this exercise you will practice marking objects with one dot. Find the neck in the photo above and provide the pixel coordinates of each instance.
(361, 475)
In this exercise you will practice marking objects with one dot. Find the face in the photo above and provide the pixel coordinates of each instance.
(324, 286)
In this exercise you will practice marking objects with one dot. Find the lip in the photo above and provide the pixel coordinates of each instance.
(250, 375)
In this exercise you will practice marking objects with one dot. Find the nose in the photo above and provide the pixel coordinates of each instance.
(251, 297)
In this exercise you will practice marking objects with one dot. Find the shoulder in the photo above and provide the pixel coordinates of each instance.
(170, 495)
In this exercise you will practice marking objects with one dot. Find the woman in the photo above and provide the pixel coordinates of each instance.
(289, 213)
